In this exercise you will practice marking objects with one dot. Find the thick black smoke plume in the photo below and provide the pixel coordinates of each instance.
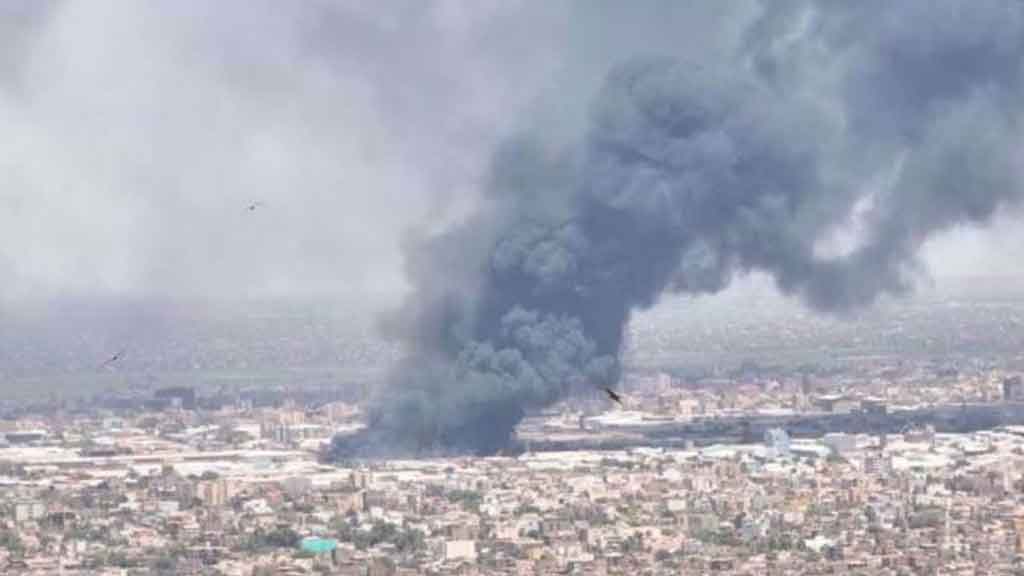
(893, 120)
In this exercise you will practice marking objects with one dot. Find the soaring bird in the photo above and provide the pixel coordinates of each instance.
(255, 205)
(113, 359)
(613, 395)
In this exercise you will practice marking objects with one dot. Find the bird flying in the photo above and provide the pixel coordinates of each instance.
(113, 359)
(255, 205)
(613, 395)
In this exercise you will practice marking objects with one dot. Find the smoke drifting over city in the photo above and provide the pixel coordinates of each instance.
(838, 140)
(563, 164)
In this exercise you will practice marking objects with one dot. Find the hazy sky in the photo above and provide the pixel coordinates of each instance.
(136, 133)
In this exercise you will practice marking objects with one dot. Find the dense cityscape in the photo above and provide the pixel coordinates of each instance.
(699, 471)
(518, 288)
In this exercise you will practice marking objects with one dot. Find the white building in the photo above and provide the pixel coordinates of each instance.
(460, 550)
(840, 443)
(778, 443)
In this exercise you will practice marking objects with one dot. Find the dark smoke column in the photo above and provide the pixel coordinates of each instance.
(687, 178)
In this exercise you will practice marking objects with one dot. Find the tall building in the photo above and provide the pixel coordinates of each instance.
(28, 510)
(1013, 389)
(213, 493)
(1018, 528)
(877, 462)
(778, 442)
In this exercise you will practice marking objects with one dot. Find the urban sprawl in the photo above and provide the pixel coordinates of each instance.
(168, 482)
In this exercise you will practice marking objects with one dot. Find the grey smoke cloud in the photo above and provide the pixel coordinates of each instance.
(656, 146)
(901, 120)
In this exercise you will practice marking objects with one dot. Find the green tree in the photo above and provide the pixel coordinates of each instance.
(10, 540)
(469, 499)
(410, 540)
(279, 537)
(165, 565)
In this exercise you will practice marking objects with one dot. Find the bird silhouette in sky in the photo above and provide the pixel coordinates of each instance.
(613, 395)
(113, 359)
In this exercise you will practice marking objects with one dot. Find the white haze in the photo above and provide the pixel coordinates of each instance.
(135, 134)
